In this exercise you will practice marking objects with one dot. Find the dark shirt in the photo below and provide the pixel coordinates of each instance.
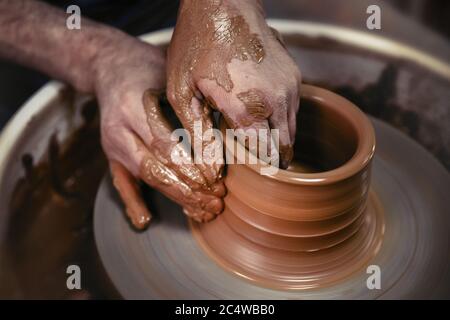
(133, 16)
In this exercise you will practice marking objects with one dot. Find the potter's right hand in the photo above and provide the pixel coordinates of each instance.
(223, 54)
(136, 136)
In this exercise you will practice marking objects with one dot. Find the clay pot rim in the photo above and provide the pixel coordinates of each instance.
(364, 152)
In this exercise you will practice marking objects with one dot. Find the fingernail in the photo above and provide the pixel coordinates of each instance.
(140, 221)
(214, 206)
(284, 163)
(219, 189)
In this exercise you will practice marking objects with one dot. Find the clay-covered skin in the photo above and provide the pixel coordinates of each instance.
(51, 218)
(223, 55)
(310, 225)
(136, 136)
(255, 104)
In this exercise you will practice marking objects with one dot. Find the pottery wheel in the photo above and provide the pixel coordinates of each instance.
(166, 262)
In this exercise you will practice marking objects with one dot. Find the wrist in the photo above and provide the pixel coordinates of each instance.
(251, 10)
(106, 49)
(128, 59)
(98, 43)
(231, 3)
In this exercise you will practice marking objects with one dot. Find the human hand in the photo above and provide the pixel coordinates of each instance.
(136, 136)
(223, 54)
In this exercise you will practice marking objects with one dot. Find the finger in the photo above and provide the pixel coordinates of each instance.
(198, 215)
(278, 36)
(279, 121)
(135, 155)
(161, 131)
(248, 111)
(195, 115)
(170, 151)
(292, 117)
(129, 192)
(156, 174)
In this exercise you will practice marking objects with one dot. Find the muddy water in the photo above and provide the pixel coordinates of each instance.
(51, 224)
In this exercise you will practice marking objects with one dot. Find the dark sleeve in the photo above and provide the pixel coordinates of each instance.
(132, 16)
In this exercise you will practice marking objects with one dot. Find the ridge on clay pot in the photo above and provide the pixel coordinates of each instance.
(312, 224)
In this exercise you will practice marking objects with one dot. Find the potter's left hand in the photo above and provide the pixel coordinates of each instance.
(136, 136)
(224, 54)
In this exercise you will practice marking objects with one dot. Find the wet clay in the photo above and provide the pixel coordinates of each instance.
(225, 36)
(153, 170)
(51, 219)
(313, 224)
(381, 98)
(183, 183)
(255, 104)
(162, 146)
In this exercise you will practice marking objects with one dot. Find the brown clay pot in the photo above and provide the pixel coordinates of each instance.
(309, 225)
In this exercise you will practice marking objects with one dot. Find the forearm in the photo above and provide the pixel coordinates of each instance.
(35, 34)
